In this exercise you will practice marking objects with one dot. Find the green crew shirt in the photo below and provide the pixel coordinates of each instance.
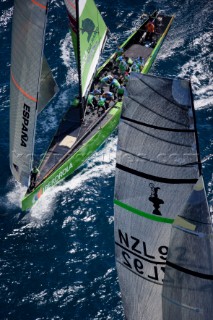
(90, 99)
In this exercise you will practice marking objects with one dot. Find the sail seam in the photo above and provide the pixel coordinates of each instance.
(154, 178)
(22, 90)
(139, 256)
(156, 127)
(39, 4)
(142, 213)
(191, 272)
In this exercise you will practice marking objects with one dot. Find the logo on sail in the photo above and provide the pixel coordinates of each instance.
(88, 27)
(25, 124)
(155, 199)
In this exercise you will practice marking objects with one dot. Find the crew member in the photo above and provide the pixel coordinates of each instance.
(120, 92)
(150, 28)
(114, 86)
(109, 96)
(106, 80)
(123, 66)
(97, 92)
(91, 101)
(101, 104)
(33, 175)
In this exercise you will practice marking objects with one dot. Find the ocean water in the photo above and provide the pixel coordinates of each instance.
(57, 262)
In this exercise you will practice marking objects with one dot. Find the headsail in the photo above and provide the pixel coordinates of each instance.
(157, 167)
(88, 35)
(48, 86)
(188, 281)
(29, 22)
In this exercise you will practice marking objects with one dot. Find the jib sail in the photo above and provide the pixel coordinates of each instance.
(188, 281)
(156, 168)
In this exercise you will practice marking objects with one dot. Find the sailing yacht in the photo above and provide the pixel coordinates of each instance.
(82, 129)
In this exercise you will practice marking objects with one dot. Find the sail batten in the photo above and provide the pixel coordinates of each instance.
(156, 127)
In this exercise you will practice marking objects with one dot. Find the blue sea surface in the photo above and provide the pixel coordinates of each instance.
(57, 262)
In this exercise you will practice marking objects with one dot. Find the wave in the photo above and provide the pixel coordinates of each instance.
(100, 165)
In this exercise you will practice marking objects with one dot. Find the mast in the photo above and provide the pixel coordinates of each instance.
(81, 100)
(88, 31)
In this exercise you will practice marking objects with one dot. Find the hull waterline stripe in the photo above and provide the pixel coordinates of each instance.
(39, 4)
(156, 127)
(143, 214)
(191, 272)
(154, 178)
(21, 90)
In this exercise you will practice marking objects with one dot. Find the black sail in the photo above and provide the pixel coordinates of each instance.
(188, 282)
(157, 166)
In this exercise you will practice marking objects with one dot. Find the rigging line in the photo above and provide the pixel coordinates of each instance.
(155, 178)
(156, 127)
(157, 138)
(158, 93)
(158, 114)
(164, 164)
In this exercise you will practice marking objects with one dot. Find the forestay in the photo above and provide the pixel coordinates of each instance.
(88, 35)
(188, 281)
(156, 169)
(28, 33)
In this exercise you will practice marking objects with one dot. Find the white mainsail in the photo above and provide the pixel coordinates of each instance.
(156, 168)
(32, 85)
